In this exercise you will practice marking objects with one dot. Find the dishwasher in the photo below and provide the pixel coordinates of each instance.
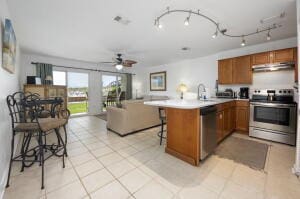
(208, 131)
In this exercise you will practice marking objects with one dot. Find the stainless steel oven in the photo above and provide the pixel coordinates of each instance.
(277, 117)
(273, 120)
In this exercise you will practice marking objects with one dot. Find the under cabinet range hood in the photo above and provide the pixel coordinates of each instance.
(273, 67)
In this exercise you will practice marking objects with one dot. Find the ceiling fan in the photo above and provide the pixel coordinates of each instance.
(119, 63)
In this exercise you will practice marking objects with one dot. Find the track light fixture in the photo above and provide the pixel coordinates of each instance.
(216, 33)
(187, 20)
(268, 36)
(243, 41)
(223, 31)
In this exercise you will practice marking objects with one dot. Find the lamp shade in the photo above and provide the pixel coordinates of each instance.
(48, 78)
(182, 88)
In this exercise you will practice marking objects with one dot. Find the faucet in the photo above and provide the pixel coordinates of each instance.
(203, 90)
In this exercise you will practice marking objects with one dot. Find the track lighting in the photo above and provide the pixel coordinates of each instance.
(268, 36)
(223, 31)
(119, 66)
(243, 42)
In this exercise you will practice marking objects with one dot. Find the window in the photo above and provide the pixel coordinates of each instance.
(59, 78)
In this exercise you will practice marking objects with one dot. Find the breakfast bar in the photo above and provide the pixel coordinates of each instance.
(183, 123)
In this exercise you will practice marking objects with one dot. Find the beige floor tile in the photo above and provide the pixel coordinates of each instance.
(60, 179)
(102, 151)
(128, 151)
(82, 158)
(113, 190)
(196, 193)
(96, 180)
(77, 151)
(118, 146)
(214, 183)
(224, 168)
(88, 167)
(120, 168)
(110, 159)
(153, 189)
(95, 145)
(235, 191)
(74, 190)
(249, 178)
(89, 140)
(134, 180)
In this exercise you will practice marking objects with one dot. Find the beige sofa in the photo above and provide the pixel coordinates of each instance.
(133, 117)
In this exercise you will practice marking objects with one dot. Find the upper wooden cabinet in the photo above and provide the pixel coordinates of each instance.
(242, 70)
(225, 71)
(238, 70)
(284, 55)
(260, 58)
(235, 70)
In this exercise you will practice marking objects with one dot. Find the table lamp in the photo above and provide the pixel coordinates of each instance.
(182, 88)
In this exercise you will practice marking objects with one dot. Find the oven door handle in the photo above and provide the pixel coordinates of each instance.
(272, 105)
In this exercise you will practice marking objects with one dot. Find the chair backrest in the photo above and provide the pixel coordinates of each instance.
(22, 106)
(162, 113)
(122, 96)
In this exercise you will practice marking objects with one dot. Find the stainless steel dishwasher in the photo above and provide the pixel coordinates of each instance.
(208, 131)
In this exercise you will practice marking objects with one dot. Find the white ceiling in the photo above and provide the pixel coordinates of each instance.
(85, 30)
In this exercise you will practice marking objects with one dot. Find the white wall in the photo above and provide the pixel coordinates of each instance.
(296, 168)
(9, 83)
(204, 70)
(94, 77)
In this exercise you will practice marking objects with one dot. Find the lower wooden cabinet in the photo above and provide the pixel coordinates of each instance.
(242, 116)
(232, 116)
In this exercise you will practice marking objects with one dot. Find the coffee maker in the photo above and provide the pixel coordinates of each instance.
(244, 93)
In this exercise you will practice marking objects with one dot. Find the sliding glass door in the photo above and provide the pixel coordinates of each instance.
(77, 84)
(113, 89)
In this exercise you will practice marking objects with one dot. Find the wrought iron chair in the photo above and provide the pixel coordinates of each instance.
(163, 119)
(25, 115)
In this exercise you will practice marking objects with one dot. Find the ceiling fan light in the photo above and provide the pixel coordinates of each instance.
(119, 66)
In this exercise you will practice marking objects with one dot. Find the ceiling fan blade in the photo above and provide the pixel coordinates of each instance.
(106, 62)
(129, 61)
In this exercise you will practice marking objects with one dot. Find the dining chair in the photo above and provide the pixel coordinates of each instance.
(24, 111)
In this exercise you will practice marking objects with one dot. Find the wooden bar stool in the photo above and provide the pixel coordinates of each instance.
(163, 120)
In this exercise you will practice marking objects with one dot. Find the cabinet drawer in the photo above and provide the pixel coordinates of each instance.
(242, 103)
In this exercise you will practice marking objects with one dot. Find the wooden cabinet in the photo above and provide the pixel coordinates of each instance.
(242, 70)
(235, 70)
(242, 116)
(284, 55)
(225, 119)
(225, 71)
(48, 91)
(260, 58)
(238, 70)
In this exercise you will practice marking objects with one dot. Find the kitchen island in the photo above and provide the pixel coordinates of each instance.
(183, 123)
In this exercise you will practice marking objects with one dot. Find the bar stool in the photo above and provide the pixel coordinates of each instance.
(163, 120)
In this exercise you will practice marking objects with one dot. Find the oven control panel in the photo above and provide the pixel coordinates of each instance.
(266, 92)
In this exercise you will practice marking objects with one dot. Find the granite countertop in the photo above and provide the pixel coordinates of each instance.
(189, 104)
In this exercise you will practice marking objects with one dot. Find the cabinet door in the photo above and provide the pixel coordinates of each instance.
(260, 58)
(220, 125)
(225, 71)
(227, 122)
(242, 118)
(242, 70)
(232, 118)
(284, 55)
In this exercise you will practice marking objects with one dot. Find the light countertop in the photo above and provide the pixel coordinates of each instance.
(189, 104)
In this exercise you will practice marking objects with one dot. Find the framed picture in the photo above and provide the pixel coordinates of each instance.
(9, 47)
(158, 81)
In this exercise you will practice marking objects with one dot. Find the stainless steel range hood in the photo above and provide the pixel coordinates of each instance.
(273, 67)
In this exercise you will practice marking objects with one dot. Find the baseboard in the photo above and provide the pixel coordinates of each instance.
(296, 170)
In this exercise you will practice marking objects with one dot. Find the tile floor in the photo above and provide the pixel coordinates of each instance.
(104, 165)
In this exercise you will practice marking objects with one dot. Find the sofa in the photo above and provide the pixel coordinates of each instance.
(133, 116)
